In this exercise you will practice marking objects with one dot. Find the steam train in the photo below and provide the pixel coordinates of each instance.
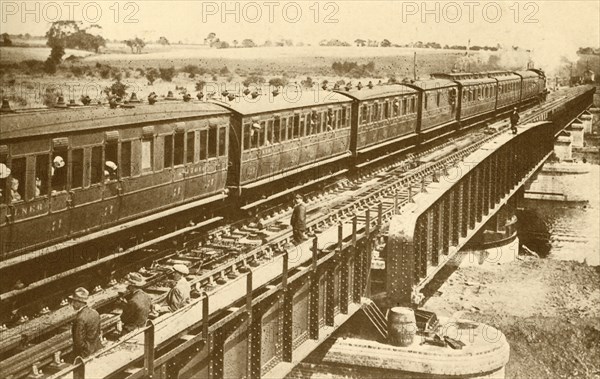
(73, 171)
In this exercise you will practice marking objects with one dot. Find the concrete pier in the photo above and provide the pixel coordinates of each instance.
(485, 354)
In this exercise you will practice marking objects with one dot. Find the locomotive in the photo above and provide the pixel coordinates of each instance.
(68, 173)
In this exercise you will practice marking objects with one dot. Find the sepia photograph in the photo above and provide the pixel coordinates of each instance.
(353, 189)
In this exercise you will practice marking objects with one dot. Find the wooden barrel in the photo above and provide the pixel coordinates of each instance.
(402, 326)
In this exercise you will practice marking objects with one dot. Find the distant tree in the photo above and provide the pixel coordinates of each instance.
(56, 40)
(278, 82)
(167, 74)
(386, 43)
(360, 42)
(136, 45)
(139, 45)
(210, 38)
(224, 70)
(235, 43)
(308, 83)
(83, 40)
(333, 42)
(222, 45)
(268, 43)
(163, 41)
(253, 79)
(117, 89)
(152, 74)
(6, 41)
(200, 85)
(248, 43)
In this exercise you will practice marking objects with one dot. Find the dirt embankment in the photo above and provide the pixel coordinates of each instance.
(549, 311)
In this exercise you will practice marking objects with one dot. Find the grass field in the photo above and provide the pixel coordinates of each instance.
(26, 89)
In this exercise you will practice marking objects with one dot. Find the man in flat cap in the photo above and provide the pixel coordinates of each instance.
(179, 295)
(136, 306)
(298, 220)
(86, 326)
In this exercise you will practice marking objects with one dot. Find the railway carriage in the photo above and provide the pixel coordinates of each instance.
(477, 93)
(530, 85)
(438, 108)
(275, 138)
(509, 88)
(382, 118)
(74, 171)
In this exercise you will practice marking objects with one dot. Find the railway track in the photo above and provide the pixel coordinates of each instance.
(224, 253)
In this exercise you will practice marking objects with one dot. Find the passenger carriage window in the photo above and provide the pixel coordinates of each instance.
(247, 137)
(255, 133)
(212, 141)
(290, 127)
(204, 140)
(41, 175)
(262, 133)
(147, 154)
(413, 103)
(179, 149)
(125, 159)
(277, 130)
(3, 176)
(343, 120)
(282, 129)
(425, 96)
(168, 151)
(296, 126)
(76, 170)
(18, 179)
(191, 148)
(269, 137)
(58, 171)
(302, 129)
(110, 161)
(222, 140)
(438, 98)
(96, 168)
(364, 114)
(404, 106)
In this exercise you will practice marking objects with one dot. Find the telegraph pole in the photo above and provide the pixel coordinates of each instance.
(415, 66)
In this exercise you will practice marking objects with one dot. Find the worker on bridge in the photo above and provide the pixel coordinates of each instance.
(179, 295)
(86, 326)
(298, 220)
(136, 306)
(514, 120)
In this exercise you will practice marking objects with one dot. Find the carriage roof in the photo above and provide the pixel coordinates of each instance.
(377, 92)
(22, 124)
(267, 103)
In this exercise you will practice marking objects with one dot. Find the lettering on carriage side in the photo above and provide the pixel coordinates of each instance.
(56, 225)
(177, 191)
(107, 211)
(30, 210)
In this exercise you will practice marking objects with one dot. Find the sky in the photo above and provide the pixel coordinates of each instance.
(538, 25)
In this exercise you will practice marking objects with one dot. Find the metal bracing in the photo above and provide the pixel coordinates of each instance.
(455, 209)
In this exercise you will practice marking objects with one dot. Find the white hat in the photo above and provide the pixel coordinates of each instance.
(182, 269)
(111, 165)
(58, 161)
(4, 171)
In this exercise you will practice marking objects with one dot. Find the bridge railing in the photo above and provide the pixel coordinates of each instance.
(453, 209)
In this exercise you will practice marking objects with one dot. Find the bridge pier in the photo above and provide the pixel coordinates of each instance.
(500, 230)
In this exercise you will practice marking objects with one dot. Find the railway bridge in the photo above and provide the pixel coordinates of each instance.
(270, 308)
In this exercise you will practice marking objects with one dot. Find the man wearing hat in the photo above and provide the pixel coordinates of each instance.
(137, 305)
(514, 120)
(298, 220)
(86, 326)
(179, 295)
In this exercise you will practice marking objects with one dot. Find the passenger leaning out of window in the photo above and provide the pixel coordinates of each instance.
(4, 174)
(59, 174)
